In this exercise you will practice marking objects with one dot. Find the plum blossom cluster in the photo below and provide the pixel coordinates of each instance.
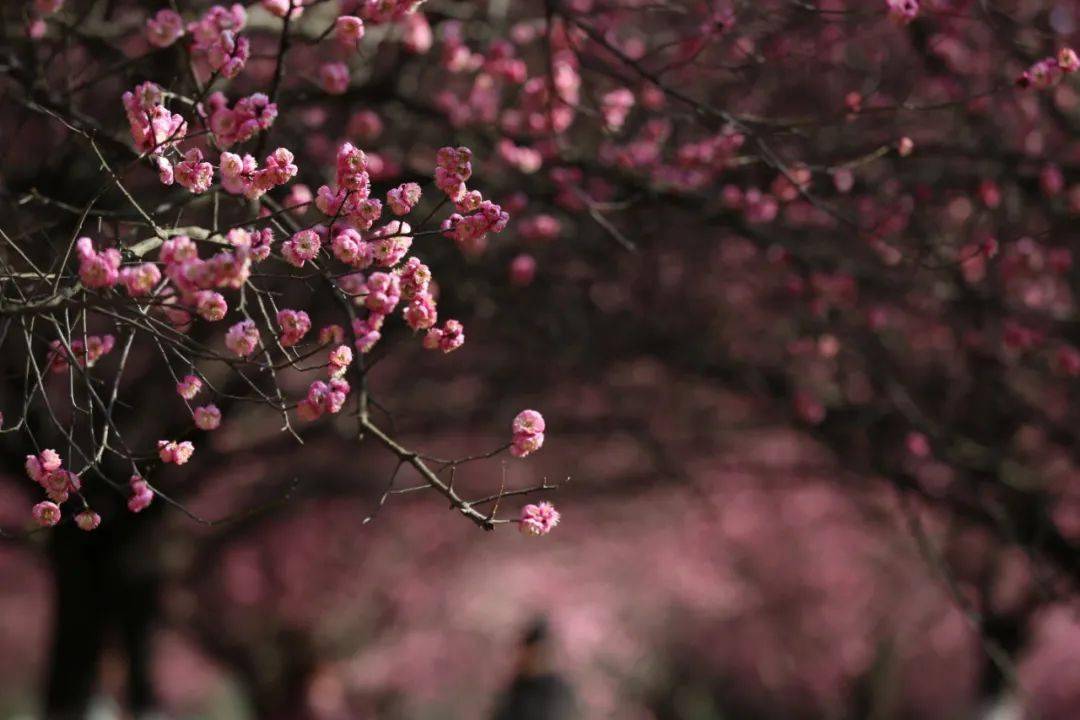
(367, 332)
(448, 338)
(528, 433)
(338, 362)
(164, 28)
(382, 292)
(390, 243)
(46, 513)
(242, 121)
(140, 279)
(243, 338)
(184, 286)
(47, 470)
(301, 247)
(470, 231)
(193, 280)
(399, 281)
(243, 176)
(453, 168)
(216, 43)
(294, 325)
(176, 453)
(193, 172)
(188, 279)
(1049, 71)
(84, 352)
(156, 131)
(141, 494)
(538, 518)
(421, 312)
(153, 127)
(403, 198)
(350, 199)
(97, 269)
(323, 397)
(475, 217)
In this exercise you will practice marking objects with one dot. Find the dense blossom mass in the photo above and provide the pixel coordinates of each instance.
(361, 230)
(251, 250)
(185, 279)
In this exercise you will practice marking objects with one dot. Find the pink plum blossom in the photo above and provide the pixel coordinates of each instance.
(301, 247)
(340, 359)
(140, 279)
(403, 198)
(97, 269)
(538, 519)
(294, 325)
(207, 417)
(448, 338)
(87, 520)
(334, 77)
(164, 28)
(348, 30)
(46, 513)
(242, 338)
(189, 387)
(174, 452)
(141, 494)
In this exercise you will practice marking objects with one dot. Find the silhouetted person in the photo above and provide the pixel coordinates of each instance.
(537, 692)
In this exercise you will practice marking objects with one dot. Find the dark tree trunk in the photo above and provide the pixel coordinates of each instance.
(107, 585)
(275, 669)
(537, 697)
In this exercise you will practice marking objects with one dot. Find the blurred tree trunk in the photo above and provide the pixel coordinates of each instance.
(107, 584)
(537, 697)
(274, 669)
(284, 700)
